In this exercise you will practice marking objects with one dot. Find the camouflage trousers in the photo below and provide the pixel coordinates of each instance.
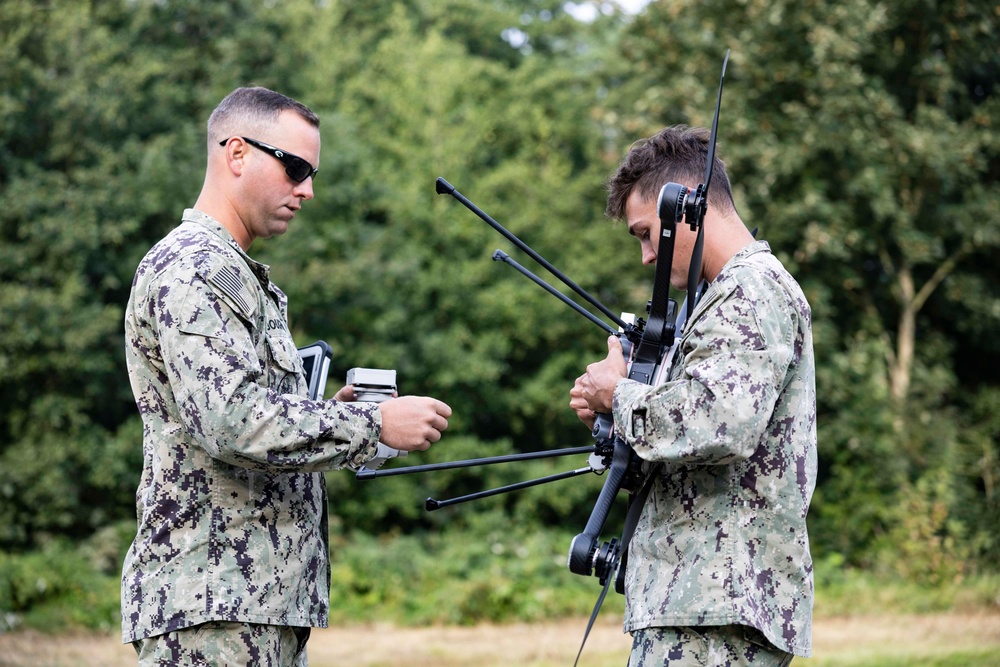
(704, 646)
(220, 643)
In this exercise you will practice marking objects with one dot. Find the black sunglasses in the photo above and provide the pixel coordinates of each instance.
(297, 169)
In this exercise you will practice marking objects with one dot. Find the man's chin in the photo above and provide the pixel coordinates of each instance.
(277, 228)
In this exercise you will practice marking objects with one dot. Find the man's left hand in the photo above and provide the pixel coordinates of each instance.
(596, 387)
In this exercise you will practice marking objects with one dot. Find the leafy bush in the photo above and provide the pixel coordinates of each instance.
(494, 571)
(62, 585)
(490, 570)
(842, 590)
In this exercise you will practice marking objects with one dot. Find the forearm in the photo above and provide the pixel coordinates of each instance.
(684, 422)
(237, 420)
(714, 412)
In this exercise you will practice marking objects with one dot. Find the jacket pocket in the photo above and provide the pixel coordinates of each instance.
(285, 372)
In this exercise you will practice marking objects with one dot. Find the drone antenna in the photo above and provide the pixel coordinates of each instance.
(701, 200)
(444, 187)
(501, 256)
(715, 127)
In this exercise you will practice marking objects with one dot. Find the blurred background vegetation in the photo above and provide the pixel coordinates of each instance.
(862, 138)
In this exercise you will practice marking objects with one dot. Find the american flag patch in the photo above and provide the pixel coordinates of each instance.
(226, 279)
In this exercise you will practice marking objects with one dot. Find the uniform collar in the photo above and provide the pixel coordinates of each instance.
(751, 249)
(212, 225)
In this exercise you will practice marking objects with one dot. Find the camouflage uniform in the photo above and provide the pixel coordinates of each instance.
(219, 643)
(232, 505)
(718, 646)
(722, 538)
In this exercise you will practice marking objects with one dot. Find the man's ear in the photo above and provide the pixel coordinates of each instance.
(236, 153)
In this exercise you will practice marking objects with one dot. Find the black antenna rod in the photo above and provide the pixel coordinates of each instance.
(695, 267)
(501, 256)
(715, 127)
(444, 187)
(432, 504)
(471, 463)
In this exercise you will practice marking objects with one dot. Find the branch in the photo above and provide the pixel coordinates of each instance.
(945, 268)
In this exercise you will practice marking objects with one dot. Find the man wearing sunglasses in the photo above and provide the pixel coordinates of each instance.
(230, 564)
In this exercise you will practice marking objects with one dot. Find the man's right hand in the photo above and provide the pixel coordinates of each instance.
(579, 404)
(412, 423)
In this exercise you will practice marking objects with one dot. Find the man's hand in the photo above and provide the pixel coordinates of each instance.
(594, 390)
(350, 394)
(412, 423)
(579, 404)
(345, 393)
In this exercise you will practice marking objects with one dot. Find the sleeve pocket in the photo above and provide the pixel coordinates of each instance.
(229, 287)
(212, 308)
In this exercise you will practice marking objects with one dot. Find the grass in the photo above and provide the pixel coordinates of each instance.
(988, 657)
(932, 640)
(506, 599)
(890, 640)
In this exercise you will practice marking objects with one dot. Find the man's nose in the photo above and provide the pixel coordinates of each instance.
(305, 189)
(648, 254)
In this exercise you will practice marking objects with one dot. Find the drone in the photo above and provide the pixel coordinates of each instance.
(649, 346)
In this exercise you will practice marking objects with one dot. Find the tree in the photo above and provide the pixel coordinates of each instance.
(103, 149)
(400, 277)
(867, 132)
(102, 108)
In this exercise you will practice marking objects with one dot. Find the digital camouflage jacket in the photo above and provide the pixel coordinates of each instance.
(722, 537)
(231, 506)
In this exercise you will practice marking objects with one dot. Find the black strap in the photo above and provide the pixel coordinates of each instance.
(593, 616)
(632, 516)
(631, 521)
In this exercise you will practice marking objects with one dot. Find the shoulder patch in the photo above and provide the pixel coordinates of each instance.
(227, 281)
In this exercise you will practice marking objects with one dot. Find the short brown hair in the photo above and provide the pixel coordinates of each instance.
(250, 109)
(675, 154)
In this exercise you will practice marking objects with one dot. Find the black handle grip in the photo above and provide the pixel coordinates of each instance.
(581, 550)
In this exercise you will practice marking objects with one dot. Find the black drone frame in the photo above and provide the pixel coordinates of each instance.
(649, 343)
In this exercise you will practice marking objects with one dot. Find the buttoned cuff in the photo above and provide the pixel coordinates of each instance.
(629, 410)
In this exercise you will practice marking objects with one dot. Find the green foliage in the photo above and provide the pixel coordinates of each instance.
(65, 583)
(926, 543)
(977, 482)
(861, 138)
(490, 567)
(497, 571)
(843, 590)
